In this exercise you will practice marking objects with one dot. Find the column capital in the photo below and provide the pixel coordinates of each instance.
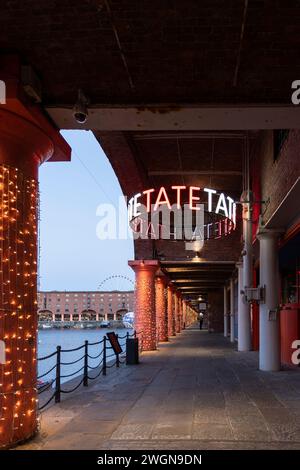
(264, 233)
(239, 264)
(144, 265)
(26, 122)
(171, 287)
(161, 278)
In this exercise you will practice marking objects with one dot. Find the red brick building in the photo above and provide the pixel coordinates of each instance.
(84, 305)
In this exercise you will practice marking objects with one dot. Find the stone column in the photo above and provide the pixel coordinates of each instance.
(171, 323)
(188, 315)
(244, 319)
(246, 279)
(161, 308)
(225, 313)
(174, 311)
(180, 313)
(184, 314)
(232, 310)
(145, 313)
(269, 334)
(176, 302)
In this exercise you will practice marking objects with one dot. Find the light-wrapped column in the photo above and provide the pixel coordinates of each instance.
(184, 313)
(145, 312)
(171, 322)
(18, 304)
(161, 308)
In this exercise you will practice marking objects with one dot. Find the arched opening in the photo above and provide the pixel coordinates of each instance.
(88, 315)
(120, 313)
(45, 315)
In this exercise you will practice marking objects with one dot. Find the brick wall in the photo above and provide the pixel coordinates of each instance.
(216, 311)
(277, 177)
(224, 249)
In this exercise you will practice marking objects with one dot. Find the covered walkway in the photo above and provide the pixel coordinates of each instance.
(196, 392)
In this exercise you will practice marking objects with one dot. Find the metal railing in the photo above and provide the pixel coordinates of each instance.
(107, 360)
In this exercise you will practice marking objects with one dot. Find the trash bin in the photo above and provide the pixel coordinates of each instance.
(132, 351)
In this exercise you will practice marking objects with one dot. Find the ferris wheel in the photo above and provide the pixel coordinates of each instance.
(118, 282)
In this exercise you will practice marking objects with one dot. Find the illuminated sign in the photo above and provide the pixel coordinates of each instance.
(180, 212)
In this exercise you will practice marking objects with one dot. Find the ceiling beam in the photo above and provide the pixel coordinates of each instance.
(163, 117)
(198, 281)
(194, 172)
(193, 135)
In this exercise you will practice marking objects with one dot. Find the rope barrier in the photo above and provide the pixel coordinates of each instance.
(96, 367)
(112, 365)
(96, 376)
(45, 388)
(46, 373)
(102, 366)
(95, 344)
(95, 357)
(72, 350)
(47, 357)
(70, 363)
(47, 402)
(73, 389)
(73, 373)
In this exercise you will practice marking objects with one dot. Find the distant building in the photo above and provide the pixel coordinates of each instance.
(84, 305)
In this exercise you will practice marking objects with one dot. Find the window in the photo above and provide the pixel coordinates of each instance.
(279, 137)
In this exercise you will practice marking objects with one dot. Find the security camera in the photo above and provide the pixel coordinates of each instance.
(80, 111)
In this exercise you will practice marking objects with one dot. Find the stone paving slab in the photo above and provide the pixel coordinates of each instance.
(196, 392)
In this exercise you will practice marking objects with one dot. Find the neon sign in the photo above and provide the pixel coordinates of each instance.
(197, 213)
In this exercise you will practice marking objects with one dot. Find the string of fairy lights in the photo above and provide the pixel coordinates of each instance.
(18, 303)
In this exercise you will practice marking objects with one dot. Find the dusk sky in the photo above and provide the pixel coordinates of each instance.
(71, 255)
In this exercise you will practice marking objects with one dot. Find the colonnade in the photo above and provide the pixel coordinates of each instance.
(267, 296)
(160, 310)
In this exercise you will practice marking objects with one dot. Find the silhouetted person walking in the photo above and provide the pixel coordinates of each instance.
(201, 321)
